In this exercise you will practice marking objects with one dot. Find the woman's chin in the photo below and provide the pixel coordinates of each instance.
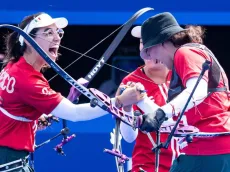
(53, 57)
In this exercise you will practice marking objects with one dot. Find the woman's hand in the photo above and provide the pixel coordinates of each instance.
(74, 93)
(45, 121)
(129, 94)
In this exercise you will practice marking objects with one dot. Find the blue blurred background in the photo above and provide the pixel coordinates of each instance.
(104, 12)
(91, 21)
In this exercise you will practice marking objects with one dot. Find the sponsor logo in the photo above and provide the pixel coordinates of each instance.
(7, 82)
(46, 91)
(95, 69)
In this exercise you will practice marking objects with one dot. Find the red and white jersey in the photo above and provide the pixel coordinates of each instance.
(142, 156)
(212, 115)
(24, 94)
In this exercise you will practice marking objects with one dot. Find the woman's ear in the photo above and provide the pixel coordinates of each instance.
(27, 43)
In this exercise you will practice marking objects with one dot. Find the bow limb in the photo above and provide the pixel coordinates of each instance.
(112, 47)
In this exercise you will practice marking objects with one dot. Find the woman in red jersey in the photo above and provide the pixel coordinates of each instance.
(155, 77)
(208, 110)
(25, 94)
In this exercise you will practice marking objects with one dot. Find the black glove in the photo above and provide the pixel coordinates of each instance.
(152, 121)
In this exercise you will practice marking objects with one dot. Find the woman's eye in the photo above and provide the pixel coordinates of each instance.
(50, 33)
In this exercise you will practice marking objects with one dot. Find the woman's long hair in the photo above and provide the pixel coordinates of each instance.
(192, 34)
(14, 50)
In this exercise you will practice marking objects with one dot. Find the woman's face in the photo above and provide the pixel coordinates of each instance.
(159, 54)
(49, 39)
(152, 64)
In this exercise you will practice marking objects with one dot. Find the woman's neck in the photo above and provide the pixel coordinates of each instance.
(158, 76)
(31, 60)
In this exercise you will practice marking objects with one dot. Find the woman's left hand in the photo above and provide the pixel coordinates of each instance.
(45, 121)
(74, 93)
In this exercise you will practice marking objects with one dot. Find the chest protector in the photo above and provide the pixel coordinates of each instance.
(214, 75)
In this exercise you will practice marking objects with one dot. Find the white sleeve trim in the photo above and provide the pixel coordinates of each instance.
(81, 112)
(17, 118)
(179, 102)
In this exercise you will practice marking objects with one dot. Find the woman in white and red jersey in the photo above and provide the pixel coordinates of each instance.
(208, 110)
(25, 94)
(155, 77)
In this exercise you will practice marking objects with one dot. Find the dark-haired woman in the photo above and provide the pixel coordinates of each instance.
(25, 94)
(155, 77)
(166, 41)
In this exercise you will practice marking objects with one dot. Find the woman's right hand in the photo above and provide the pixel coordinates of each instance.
(132, 94)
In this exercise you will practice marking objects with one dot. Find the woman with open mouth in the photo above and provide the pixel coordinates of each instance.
(25, 94)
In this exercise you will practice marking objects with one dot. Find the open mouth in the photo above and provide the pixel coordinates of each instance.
(53, 51)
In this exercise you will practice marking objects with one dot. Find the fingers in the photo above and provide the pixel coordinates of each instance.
(43, 122)
(139, 86)
(131, 93)
(46, 120)
(142, 96)
(131, 84)
(83, 81)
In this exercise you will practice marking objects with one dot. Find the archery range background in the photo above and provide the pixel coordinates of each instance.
(89, 23)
